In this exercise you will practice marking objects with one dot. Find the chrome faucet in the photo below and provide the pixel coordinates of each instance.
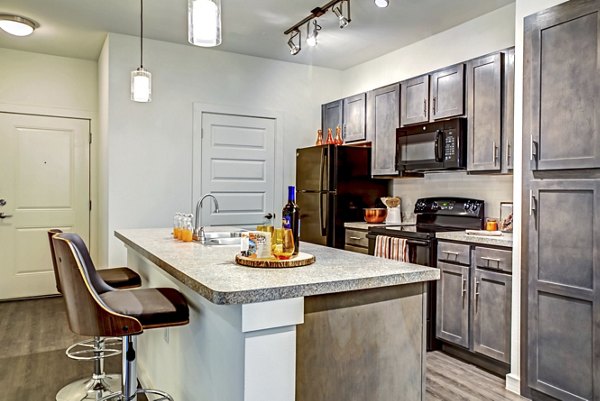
(198, 230)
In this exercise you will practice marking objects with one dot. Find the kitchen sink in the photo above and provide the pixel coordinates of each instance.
(223, 241)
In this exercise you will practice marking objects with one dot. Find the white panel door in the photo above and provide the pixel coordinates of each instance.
(238, 163)
(44, 180)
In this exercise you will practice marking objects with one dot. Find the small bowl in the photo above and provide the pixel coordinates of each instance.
(375, 214)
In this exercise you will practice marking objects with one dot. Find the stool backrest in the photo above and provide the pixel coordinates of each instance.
(53, 254)
(88, 315)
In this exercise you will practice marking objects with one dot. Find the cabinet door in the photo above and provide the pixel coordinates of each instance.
(508, 114)
(448, 92)
(383, 117)
(354, 118)
(484, 87)
(563, 259)
(414, 101)
(452, 313)
(491, 314)
(561, 84)
(331, 117)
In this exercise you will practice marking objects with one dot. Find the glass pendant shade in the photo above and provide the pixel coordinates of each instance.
(381, 3)
(141, 85)
(204, 22)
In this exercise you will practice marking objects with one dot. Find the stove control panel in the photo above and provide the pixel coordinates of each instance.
(450, 206)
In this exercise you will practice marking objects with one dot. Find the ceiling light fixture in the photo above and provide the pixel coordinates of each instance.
(311, 34)
(141, 79)
(337, 10)
(204, 22)
(382, 3)
(17, 25)
(295, 48)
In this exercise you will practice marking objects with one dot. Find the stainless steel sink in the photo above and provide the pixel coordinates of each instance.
(223, 241)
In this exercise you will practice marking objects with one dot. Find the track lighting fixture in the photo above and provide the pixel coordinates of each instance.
(141, 79)
(311, 34)
(295, 48)
(17, 25)
(382, 3)
(337, 10)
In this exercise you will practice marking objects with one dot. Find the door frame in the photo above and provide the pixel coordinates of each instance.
(199, 109)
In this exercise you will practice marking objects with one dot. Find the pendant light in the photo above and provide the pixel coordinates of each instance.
(17, 25)
(204, 22)
(382, 3)
(141, 79)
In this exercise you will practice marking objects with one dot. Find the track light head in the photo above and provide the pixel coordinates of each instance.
(382, 3)
(295, 48)
(343, 21)
(311, 34)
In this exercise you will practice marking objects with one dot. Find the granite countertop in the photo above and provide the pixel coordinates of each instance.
(505, 240)
(212, 272)
(361, 225)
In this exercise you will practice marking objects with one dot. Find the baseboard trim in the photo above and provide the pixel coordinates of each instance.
(513, 383)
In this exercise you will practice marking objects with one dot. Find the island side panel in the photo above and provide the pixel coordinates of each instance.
(362, 345)
(220, 354)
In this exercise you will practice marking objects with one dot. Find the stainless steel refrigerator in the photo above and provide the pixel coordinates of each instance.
(333, 185)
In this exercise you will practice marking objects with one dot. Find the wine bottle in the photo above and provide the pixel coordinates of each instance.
(291, 217)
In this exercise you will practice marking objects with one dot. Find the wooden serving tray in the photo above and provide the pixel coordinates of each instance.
(302, 259)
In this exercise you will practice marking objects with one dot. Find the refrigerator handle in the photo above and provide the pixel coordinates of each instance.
(322, 167)
(321, 217)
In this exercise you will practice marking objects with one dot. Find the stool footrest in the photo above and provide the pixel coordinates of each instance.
(164, 396)
(89, 348)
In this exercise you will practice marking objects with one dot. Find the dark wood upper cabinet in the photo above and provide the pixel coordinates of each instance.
(414, 101)
(563, 44)
(484, 112)
(355, 118)
(383, 117)
(447, 97)
(331, 116)
(508, 114)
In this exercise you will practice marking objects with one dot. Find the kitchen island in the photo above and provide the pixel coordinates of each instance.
(348, 327)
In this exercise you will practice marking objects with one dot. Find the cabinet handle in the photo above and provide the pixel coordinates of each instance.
(508, 154)
(532, 207)
(476, 295)
(491, 259)
(450, 252)
(425, 107)
(434, 102)
(356, 238)
(533, 151)
(344, 131)
(464, 290)
(494, 152)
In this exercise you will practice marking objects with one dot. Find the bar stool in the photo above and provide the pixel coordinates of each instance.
(96, 348)
(113, 313)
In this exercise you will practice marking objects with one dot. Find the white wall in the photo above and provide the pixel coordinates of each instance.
(36, 83)
(523, 9)
(149, 146)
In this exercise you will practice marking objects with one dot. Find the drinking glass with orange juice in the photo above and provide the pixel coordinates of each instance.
(187, 229)
(282, 245)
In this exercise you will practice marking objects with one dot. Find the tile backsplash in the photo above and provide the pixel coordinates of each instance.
(493, 189)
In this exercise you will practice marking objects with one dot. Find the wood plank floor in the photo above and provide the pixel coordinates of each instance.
(33, 366)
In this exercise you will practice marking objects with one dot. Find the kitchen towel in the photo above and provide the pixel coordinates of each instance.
(392, 248)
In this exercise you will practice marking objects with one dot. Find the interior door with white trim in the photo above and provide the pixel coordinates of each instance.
(238, 168)
(44, 183)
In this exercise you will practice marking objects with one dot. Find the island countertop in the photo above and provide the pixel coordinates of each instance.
(211, 271)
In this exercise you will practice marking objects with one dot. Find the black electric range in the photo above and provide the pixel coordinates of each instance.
(434, 215)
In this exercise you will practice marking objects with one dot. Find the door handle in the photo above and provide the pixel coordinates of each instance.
(2, 202)
(269, 216)
(4, 216)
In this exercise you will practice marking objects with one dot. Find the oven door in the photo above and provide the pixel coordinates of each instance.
(422, 151)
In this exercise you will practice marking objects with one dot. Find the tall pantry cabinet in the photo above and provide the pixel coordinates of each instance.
(561, 203)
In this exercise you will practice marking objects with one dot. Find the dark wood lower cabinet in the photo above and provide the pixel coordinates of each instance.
(452, 313)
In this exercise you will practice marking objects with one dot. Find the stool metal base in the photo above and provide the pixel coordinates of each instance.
(95, 389)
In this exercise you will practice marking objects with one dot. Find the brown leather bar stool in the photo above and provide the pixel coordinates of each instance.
(95, 309)
(97, 348)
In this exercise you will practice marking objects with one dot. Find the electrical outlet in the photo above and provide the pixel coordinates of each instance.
(166, 335)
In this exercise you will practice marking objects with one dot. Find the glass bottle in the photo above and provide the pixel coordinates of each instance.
(329, 137)
(319, 138)
(338, 136)
(291, 217)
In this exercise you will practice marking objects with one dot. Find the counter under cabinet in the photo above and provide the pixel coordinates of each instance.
(348, 327)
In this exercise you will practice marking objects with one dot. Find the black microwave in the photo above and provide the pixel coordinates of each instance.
(434, 146)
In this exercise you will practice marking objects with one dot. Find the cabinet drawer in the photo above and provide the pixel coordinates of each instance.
(496, 259)
(356, 249)
(454, 253)
(357, 238)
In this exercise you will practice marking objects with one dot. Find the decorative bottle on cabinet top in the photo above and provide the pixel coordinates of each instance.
(319, 138)
(329, 137)
(291, 217)
(338, 136)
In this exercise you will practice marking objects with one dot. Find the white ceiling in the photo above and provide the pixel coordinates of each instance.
(77, 28)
